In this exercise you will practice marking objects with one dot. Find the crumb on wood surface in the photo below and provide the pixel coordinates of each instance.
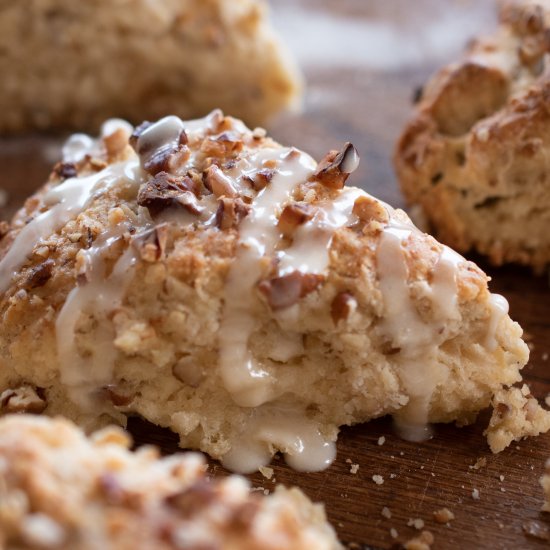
(423, 541)
(443, 515)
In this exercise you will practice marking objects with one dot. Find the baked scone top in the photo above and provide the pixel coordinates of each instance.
(474, 155)
(302, 304)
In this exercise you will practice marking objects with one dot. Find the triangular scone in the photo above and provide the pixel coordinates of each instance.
(237, 292)
(60, 489)
(70, 64)
(474, 156)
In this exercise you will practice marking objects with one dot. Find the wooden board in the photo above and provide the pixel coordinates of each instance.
(362, 61)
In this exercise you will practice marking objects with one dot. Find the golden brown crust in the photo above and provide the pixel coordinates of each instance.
(59, 489)
(474, 155)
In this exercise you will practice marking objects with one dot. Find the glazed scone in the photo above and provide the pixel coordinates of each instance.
(234, 290)
(60, 489)
(475, 156)
(80, 63)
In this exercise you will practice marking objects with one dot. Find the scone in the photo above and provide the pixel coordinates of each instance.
(64, 491)
(68, 64)
(217, 283)
(475, 155)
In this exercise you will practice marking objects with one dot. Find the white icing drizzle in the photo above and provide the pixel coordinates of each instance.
(248, 382)
(163, 134)
(499, 309)
(303, 446)
(100, 295)
(77, 147)
(198, 128)
(444, 285)
(66, 201)
(309, 250)
(113, 124)
(416, 340)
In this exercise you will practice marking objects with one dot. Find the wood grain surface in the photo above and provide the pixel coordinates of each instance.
(362, 60)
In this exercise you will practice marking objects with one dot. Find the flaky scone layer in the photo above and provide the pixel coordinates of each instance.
(60, 489)
(80, 63)
(475, 156)
(235, 291)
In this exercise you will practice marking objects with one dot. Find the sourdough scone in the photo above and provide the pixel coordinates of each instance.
(475, 156)
(217, 283)
(62, 490)
(69, 64)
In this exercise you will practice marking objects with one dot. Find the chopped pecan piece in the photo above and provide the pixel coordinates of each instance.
(138, 131)
(226, 144)
(24, 399)
(217, 182)
(336, 166)
(243, 516)
(343, 305)
(65, 170)
(151, 244)
(165, 191)
(285, 291)
(192, 500)
(367, 208)
(38, 276)
(294, 215)
(162, 146)
(117, 397)
(166, 159)
(230, 212)
(260, 179)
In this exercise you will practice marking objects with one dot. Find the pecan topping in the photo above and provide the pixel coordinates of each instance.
(117, 397)
(24, 399)
(243, 516)
(65, 170)
(285, 291)
(151, 244)
(217, 182)
(230, 212)
(190, 501)
(162, 146)
(343, 305)
(292, 216)
(224, 145)
(138, 131)
(260, 179)
(166, 159)
(367, 209)
(165, 191)
(38, 276)
(336, 166)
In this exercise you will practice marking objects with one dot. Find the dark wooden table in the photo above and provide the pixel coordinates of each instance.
(362, 60)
